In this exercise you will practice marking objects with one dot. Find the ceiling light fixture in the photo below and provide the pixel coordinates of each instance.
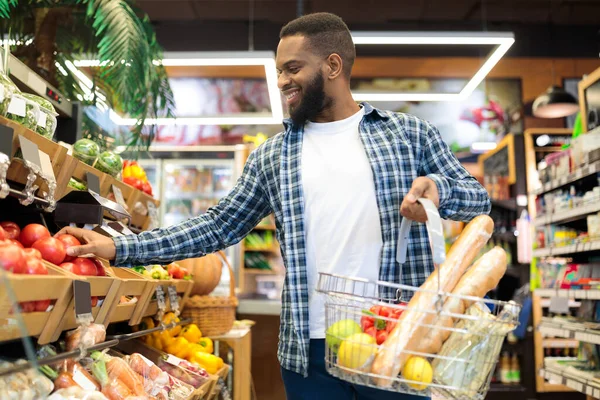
(502, 40)
(201, 59)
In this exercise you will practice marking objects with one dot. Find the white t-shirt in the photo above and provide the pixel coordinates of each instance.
(343, 231)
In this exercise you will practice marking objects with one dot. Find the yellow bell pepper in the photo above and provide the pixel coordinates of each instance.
(209, 362)
(146, 323)
(169, 318)
(194, 348)
(135, 171)
(192, 333)
(158, 345)
(149, 340)
(207, 344)
(179, 347)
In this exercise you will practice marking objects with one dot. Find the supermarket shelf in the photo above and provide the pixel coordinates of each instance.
(575, 331)
(575, 248)
(509, 204)
(508, 237)
(509, 388)
(569, 293)
(560, 343)
(545, 303)
(579, 384)
(567, 216)
(579, 173)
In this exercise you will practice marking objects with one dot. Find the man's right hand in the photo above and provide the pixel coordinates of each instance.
(93, 243)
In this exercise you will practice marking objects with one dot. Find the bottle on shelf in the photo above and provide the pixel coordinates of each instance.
(505, 375)
(515, 369)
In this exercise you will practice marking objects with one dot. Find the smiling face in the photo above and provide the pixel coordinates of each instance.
(301, 79)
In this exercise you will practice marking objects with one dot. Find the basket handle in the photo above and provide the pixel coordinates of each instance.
(434, 228)
(231, 276)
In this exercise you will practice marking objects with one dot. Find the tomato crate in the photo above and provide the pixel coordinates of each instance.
(56, 286)
(132, 285)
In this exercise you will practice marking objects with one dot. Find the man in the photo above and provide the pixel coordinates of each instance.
(337, 179)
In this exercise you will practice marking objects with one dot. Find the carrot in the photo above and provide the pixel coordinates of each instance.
(119, 369)
(116, 390)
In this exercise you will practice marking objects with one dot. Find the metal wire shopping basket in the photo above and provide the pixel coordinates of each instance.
(454, 359)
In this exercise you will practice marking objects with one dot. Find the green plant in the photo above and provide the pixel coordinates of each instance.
(51, 34)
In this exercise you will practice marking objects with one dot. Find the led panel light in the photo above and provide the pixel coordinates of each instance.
(188, 59)
(501, 40)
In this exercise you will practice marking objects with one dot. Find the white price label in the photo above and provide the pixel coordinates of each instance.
(46, 165)
(173, 297)
(1, 93)
(42, 119)
(559, 305)
(160, 298)
(171, 359)
(17, 106)
(83, 381)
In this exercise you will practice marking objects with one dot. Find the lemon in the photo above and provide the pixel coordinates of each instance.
(356, 351)
(340, 331)
(418, 369)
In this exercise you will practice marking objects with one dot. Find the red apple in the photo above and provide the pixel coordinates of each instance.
(68, 241)
(84, 266)
(32, 233)
(12, 230)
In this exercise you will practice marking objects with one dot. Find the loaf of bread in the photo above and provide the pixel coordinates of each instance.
(413, 324)
(479, 279)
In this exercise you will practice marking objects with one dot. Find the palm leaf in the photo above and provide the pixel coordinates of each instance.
(5, 6)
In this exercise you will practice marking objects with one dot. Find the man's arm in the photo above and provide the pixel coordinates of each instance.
(461, 196)
(221, 226)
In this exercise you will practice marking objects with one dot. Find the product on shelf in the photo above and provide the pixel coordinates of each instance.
(85, 336)
(77, 184)
(46, 123)
(86, 150)
(29, 384)
(7, 89)
(134, 175)
(109, 163)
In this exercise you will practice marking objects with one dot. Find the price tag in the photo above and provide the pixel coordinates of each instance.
(46, 165)
(112, 232)
(1, 93)
(119, 195)
(93, 182)
(42, 119)
(6, 140)
(173, 297)
(559, 305)
(30, 151)
(171, 359)
(17, 106)
(83, 299)
(160, 298)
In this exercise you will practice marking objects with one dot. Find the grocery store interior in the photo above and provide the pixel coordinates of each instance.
(127, 116)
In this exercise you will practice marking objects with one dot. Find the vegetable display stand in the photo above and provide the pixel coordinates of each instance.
(138, 207)
(132, 285)
(182, 287)
(214, 315)
(213, 394)
(445, 341)
(56, 286)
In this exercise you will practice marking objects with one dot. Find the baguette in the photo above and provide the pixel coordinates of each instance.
(413, 324)
(482, 277)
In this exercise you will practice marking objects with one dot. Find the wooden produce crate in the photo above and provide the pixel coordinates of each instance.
(102, 286)
(139, 202)
(57, 153)
(183, 288)
(222, 373)
(57, 285)
(132, 284)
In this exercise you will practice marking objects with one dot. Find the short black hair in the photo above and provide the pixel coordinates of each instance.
(327, 34)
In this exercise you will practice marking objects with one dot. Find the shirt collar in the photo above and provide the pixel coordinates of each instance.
(370, 111)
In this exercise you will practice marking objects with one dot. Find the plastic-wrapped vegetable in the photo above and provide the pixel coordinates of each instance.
(109, 163)
(7, 89)
(153, 377)
(92, 334)
(77, 184)
(184, 371)
(26, 385)
(46, 124)
(23, 111)
(76, 393)
(86, 150)
(117, 379)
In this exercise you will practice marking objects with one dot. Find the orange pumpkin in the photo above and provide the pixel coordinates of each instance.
(206, 273)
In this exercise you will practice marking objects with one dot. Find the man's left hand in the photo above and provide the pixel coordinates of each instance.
(421, 187)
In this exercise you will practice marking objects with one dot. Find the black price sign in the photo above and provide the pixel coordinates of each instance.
(6, 140)
(173, 297)
(82, 294)
(160, 298)
(93, 182)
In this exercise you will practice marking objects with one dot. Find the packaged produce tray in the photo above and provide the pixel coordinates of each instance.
(56, 286)
(435, 339)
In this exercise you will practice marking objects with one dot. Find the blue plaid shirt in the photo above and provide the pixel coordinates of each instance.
(400, 148)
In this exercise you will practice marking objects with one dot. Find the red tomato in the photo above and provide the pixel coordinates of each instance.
(17, 243)
(31, 252)
(147, 188)
(3, 235)
(135, 182)
(52, 249)
(94, 301)
(12, 230)
(42, 305)
(366, 322)
(32, 233)
(12, 259)
(35, 267)
(84, 266)
(27, 306)
(68, 241)
(100, 271)
(384, 311)
(68, 266)
(372, 332)
(381, 336)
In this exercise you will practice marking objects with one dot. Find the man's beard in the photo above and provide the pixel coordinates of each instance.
(312, 103)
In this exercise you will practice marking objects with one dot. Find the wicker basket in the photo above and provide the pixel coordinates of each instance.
(214, 315)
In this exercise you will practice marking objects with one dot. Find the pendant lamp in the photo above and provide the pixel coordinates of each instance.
(555, 103)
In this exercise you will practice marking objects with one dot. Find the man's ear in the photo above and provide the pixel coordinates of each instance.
(336, 65)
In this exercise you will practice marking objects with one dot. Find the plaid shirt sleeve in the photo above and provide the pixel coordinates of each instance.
(221, 226)
(462, 197)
